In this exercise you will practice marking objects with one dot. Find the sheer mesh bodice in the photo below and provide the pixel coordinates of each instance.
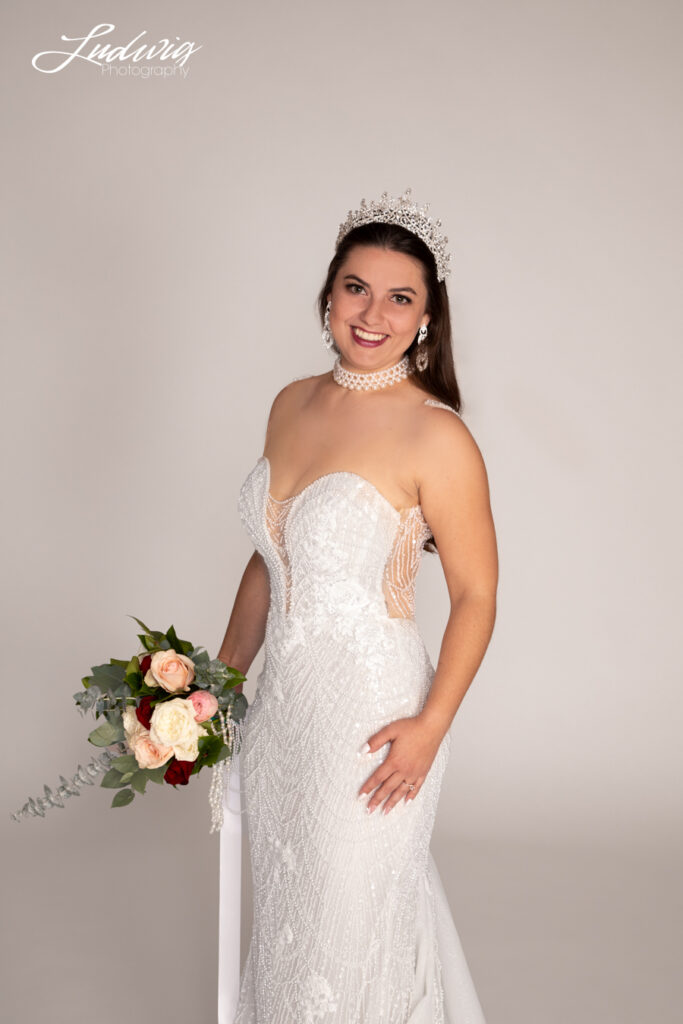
(403, 563)
(398, 581)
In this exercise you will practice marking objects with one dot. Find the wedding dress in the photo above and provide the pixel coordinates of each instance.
(351, 924)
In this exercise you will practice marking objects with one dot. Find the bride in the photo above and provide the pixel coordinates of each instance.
(346, 740)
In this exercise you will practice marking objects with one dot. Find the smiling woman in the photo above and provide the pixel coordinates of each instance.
(347, 738)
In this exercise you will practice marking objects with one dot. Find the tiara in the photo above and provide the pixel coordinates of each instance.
(407, 215)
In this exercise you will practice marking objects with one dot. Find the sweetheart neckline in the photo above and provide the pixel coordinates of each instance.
(339, 472)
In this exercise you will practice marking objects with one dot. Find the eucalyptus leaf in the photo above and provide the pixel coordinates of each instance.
(108, 676)
(125, 763)
(106, 734)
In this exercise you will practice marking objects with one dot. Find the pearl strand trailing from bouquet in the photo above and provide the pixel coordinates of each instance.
(232, 733)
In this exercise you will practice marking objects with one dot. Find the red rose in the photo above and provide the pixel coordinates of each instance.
(178, 772)
(144, 711)
(145, 663)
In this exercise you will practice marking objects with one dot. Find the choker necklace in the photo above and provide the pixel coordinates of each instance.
(372, 380)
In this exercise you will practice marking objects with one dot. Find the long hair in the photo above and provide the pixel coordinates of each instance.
(438, 379)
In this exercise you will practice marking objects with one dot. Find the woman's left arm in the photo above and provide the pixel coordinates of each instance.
(454, 495)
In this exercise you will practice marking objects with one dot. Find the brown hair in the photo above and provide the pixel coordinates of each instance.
(438, 379)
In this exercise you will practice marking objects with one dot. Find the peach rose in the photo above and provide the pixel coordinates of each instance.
(149, 754)
(205, 705)
(170, 670)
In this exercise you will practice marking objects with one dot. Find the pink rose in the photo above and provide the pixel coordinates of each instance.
(205, 705)
(173, 671)
(149, 754)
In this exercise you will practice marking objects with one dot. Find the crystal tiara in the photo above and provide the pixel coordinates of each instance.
(407, 215)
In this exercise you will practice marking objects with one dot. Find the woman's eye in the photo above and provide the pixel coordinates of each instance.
(404, 299)
(354, 286)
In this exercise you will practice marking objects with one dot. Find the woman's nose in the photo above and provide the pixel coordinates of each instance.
(372, 311)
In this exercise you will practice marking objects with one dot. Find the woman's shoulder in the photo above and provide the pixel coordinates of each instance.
(438, 404)
(294, 395)
(299, 386)
(441, 427)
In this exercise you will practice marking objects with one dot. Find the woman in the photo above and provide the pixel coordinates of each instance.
(346, 740)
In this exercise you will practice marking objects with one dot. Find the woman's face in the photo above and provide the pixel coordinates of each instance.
(378, 303)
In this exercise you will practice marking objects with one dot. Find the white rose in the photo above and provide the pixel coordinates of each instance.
(132, 726)
(173, 725)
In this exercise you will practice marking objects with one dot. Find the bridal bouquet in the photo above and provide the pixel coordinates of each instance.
(167, 712)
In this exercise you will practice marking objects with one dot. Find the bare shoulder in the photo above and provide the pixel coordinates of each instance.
(292, 397)
(297, 392)
(439, 427)
(450, 460)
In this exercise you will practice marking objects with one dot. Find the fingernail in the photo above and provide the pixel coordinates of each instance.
(365, 749)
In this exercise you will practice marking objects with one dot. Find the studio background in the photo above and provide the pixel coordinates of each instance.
(164, 241)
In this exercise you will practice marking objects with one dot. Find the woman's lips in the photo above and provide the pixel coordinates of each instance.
(365, 342)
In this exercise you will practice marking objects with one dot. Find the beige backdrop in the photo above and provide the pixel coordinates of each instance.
(164, 240)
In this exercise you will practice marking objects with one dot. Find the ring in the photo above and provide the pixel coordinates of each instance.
(410, 785)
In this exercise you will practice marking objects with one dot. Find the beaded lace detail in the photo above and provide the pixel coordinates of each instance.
(400, 572)
(348, 911)
(398, 582)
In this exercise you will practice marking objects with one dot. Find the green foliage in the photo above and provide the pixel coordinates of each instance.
(123, 797)
(113, 779)
(120, 683)
(239, 707)
(139, 781)
(209, 749)
(106, 734)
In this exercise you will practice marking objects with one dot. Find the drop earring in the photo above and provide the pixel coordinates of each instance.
(328, 340)
(421, 359)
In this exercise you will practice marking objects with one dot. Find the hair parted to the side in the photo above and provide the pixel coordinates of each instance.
(438, 379)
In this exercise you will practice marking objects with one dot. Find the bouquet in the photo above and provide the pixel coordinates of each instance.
(167, 712)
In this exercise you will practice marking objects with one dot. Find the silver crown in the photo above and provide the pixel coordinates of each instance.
(408, 215)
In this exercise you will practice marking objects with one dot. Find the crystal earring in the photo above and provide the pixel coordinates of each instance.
(421, 359)
(328, 340)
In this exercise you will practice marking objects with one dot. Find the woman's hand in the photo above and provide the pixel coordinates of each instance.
(414, 744)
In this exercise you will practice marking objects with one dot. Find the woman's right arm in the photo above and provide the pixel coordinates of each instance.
(247, 624)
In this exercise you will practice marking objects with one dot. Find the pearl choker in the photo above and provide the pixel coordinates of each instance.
(374, 379)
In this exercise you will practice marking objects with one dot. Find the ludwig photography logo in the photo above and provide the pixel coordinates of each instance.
(111, 60)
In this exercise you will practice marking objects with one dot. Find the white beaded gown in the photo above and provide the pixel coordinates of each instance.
(351, 924)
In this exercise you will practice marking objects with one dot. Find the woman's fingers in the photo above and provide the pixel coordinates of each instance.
(386, 789)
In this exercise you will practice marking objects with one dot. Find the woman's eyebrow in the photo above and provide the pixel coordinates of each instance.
(366, 285)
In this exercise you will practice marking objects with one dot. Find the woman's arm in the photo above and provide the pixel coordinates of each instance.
(247, 624)
(455, 498)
